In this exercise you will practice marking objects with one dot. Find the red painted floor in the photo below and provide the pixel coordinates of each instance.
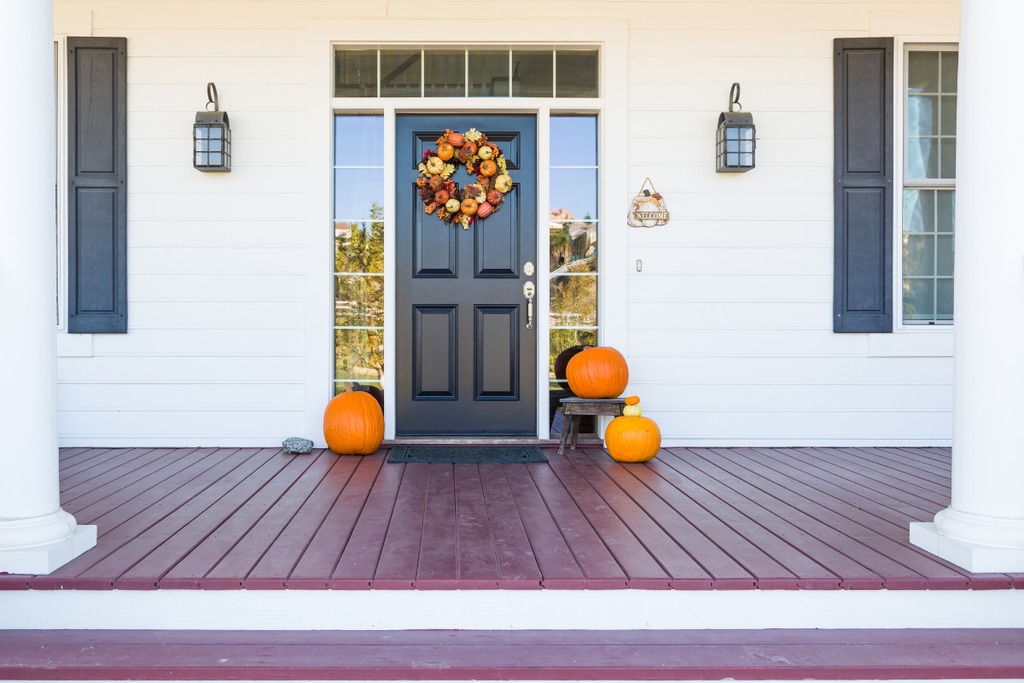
(692, 519)
(514, 655)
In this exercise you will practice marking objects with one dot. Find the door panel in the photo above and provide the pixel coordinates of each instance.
(466, 362)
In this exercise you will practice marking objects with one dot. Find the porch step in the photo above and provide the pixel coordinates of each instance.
(771, 654)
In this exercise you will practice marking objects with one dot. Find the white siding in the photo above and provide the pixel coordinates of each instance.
(727, 324)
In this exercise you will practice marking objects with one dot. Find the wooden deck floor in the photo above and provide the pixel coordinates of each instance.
(694, 518)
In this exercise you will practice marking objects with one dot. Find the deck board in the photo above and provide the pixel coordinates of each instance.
(517, 562)
(321, 555)
(358, 562)
(678, 566)
(240, 559)
(477, 555)
(161, 464)
(808, 526)
(693, 519)
(438, 567)
(840, 523)
(260, 493)
(641, 567)
(779, 654)
(558, 566)
(882, 492)
(881, 515)
(282, 557)
(723, 506)
(595, 559)
(129, 531)
(399, 557)
(713, 561)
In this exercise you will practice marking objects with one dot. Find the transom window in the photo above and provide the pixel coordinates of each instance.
(459, 72)
(929, 185)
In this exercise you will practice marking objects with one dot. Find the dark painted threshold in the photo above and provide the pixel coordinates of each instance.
(513, 655)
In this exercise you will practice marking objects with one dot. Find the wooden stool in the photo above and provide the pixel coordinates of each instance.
(573, 410)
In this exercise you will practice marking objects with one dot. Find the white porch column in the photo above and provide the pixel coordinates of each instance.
(36, 536)
(983, 528)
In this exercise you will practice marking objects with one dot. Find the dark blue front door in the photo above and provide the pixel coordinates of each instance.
(466, 358)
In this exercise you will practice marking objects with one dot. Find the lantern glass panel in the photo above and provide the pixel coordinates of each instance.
(211, 147)
(735, 146)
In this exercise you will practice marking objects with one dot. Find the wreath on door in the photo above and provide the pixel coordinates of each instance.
(442, 195)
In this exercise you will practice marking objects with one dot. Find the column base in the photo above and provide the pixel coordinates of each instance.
(20, 553)
(974, 557)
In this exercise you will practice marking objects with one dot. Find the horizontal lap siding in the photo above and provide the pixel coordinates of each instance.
(729, 313)
(217, 266)
(728, 324)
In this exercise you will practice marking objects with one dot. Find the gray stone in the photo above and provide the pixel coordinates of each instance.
(296, 445)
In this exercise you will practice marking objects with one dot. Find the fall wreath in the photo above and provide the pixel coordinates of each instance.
(443, 196)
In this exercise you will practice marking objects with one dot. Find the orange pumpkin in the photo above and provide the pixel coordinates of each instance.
(597, 372)
(456, 139)
(469, 206)
(631, 437)
(353, 423)
(441, 196)
(488, 168)
(446, 151)
(484, 210)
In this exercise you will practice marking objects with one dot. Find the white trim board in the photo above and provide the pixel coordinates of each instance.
(508, 609)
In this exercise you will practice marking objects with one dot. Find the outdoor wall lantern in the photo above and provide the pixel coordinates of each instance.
(211, 136)
(734, 149)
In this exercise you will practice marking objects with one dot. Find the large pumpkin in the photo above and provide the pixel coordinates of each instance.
(597, 372)
(631, 437)
(353, 423)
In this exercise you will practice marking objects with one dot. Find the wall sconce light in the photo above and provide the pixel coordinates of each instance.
(211, 136)
(734, 149)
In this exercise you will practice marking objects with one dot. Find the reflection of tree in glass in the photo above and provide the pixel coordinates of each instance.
(574, 301)
(359, 297)
(570, 240)
(572, 248)
(360, 249)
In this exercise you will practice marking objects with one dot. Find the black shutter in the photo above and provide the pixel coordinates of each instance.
(97, 169)
(863, 185)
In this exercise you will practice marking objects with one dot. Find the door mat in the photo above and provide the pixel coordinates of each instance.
(472, 454)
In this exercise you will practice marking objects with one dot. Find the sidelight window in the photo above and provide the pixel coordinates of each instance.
(573, 235)
(358, 251)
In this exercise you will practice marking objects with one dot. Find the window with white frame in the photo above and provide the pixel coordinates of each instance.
(929, 184)
(358, 251)
(463, 72)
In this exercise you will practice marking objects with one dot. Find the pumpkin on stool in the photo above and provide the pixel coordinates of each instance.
(632, 437)
(597, 372)
(353, 423)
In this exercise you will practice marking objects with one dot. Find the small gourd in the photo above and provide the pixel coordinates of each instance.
(353, 423)
(631, 437)
(446, 151)
(597, 372)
